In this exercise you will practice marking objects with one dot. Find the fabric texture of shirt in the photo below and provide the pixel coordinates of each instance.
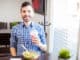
(20, 35)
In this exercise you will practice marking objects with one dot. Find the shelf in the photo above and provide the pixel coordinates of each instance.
(5, 30)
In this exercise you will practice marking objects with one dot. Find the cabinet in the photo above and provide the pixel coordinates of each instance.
(4, 44)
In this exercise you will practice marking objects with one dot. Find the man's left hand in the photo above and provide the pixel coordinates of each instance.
(36, 41)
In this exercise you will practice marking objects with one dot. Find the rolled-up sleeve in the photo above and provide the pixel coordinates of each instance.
(13, 41)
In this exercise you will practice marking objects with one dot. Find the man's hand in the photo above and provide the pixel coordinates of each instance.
(36, 41)
(13, 51)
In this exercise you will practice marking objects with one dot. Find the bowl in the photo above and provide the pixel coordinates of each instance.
(30, 55)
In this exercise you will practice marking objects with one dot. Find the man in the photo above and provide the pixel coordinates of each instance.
(21, 33)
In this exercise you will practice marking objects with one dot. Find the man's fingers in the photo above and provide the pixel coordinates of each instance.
(34, 40)
(33, 37)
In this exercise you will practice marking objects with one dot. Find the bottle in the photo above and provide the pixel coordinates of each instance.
(35, 34)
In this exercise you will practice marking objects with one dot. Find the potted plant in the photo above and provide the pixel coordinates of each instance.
(64, 54)
(13, 24)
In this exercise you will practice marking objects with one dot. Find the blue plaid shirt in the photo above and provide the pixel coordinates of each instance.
(20, 34)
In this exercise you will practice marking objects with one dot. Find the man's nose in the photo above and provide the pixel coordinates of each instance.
(26, 13)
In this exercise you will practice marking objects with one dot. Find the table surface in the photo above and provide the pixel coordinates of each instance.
(42, 57)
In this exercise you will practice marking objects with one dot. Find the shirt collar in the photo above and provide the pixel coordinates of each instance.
(31, 24)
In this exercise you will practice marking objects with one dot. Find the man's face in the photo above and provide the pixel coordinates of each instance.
(27, 13)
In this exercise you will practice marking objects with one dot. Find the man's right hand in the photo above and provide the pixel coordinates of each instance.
(13, 51)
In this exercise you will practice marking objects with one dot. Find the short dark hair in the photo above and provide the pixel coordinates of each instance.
(25, 4)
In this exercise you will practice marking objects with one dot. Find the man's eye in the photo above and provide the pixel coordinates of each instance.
(24, 11)
(29, 11)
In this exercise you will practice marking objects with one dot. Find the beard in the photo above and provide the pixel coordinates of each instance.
(26, 18)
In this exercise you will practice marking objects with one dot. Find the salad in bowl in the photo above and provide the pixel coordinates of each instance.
(30, 55)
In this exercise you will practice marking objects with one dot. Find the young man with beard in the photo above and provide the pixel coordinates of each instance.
(21, 33)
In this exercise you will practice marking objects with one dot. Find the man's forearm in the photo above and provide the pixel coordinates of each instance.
(13, 51)
(43, 47)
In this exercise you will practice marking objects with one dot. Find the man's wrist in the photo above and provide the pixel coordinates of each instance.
(40, 45)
